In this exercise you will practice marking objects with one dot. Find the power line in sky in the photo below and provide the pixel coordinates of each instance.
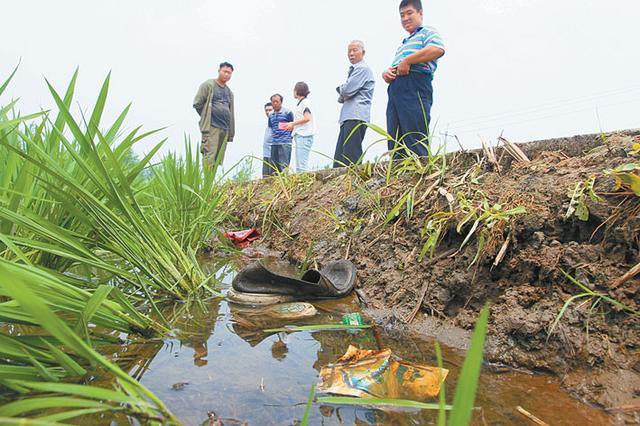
(463, 130)
(475, 121)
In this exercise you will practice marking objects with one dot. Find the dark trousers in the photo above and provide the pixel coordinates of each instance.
(349, 146)
(280, 156)
(409, 113)
(268, 167)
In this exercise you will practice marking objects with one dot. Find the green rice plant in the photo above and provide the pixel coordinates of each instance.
(483, 219)
(100, 201)
(372, 202)
(410, 163)
(186, 197)
(105, 306)
(243, 170)
(308, 260)
(26, 186)
(49, 363)
(596, 299)
(577, 204)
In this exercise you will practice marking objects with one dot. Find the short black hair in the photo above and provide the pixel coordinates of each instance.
(226, 65)
(417, 4)
(268, 104)
(278, 95)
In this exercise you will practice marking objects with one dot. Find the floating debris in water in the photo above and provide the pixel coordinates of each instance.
(179, 386)
(381, 374)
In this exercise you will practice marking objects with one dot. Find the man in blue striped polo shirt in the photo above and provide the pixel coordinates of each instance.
(410, 83)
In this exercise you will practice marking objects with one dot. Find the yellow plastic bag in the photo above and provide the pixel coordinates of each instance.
(380, 374)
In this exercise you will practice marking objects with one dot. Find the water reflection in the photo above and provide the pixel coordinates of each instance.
(236, 372)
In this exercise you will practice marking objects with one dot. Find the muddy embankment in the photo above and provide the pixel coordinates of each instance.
(521, 239)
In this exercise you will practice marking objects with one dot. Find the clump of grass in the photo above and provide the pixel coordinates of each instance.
(588, 296)
(341, 225)
(486, 220)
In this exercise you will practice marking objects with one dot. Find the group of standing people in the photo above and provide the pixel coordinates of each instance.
(287, 127)
(410, 97)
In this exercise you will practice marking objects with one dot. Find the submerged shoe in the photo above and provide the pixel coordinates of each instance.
(336, 279)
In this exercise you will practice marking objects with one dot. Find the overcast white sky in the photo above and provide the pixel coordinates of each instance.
(533, 68)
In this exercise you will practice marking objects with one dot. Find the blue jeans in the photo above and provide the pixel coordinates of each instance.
(303, 147)
(409, 112)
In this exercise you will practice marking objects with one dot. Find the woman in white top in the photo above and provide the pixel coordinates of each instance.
(302, 126)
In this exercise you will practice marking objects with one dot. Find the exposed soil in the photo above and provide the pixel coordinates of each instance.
(594, 349)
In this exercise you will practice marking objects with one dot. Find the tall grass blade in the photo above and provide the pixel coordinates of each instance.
(470, 374)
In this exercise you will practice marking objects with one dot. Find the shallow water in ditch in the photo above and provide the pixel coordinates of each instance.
(222, 362)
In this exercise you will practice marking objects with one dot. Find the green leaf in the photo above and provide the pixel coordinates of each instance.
(582, 211)
(16, 121)
(442, 399)
(379, 130)
(91, 308)
(307, 410)
(85, 391)
(28, 422)
(319, 327)
(71, 414)
(35, 404)
(65, 361)
(8, 80)
(464, 399)
(402, 403)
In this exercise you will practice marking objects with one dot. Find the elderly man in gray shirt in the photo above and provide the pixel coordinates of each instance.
(355, 95)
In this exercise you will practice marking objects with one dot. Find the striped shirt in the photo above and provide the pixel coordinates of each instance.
(421, 38)
(278, 135)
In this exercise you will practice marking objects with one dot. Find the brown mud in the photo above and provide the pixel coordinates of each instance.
(594, 350)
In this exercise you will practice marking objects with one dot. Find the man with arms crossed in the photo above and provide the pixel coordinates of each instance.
(355, 95)
(410, 82)
(214, 104)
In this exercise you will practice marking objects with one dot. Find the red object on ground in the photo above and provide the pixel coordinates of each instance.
(243, 239)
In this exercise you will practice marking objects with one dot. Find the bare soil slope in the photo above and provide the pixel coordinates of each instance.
(521, 239)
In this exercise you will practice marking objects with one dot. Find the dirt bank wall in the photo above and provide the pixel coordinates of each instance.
(521, 237)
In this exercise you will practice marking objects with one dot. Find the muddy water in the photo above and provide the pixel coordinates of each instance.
(221, 362)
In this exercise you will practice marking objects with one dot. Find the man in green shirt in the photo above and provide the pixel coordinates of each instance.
(214, 103)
